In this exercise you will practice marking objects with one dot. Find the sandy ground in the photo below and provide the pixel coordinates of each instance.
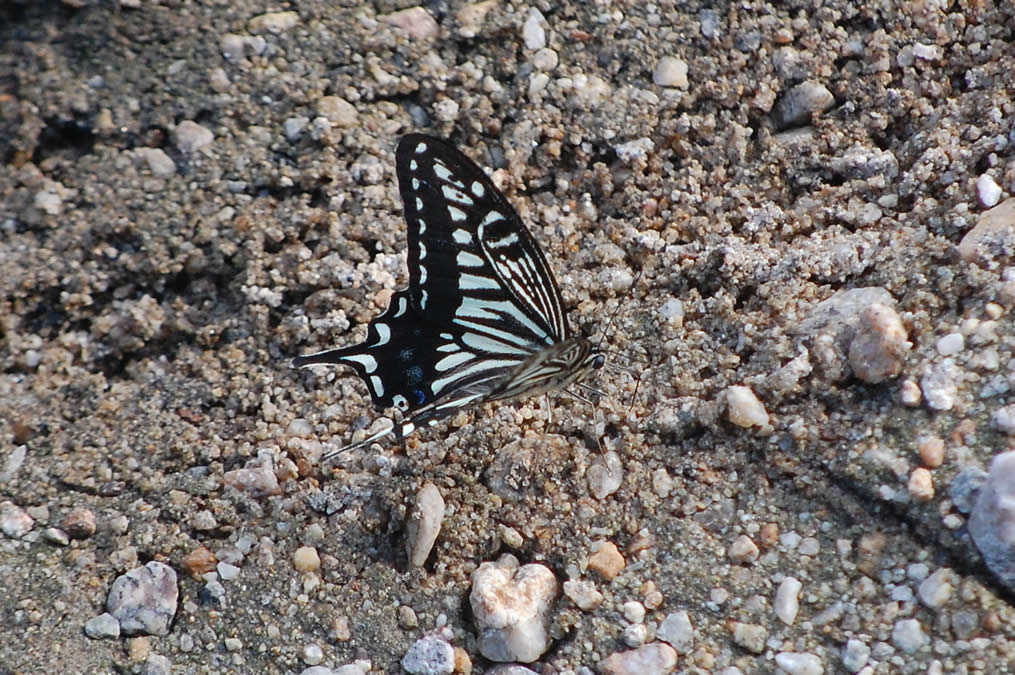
(157, 279)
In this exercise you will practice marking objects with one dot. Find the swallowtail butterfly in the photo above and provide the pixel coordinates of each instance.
(482, 318)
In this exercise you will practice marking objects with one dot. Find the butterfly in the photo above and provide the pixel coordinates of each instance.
(482, 318)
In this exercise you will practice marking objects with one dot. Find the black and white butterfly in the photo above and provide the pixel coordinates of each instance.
(482, 318)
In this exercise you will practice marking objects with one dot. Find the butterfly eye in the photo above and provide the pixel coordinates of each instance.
(598, 361)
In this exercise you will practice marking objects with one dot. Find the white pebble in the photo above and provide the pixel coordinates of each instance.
(670, 72)
(312, 655)
(676, 629)
(855, 655)
(424, 524)
(510, 606)
(787, 602)
(796, 663)
(533, 33)
(429, 656)
(951, 344)
(988, 190)
(744, 408)
(908, 635)
(936, 589)
(189, 136)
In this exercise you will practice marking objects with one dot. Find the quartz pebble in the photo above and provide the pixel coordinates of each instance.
(992, 521)
(257, 481)
(750, 636)
(273, 22)
(14, 520)
(533, 33)
(908, 635)
(855, 655)
(676, 629)
(1004, 419)
(801, 102)
(510, 605)
(189, 136)
(583, 594)
(939, 385)
(416, 21)
(988, 190)
(879, 347)
(932, 452)
(796, 663)
(429, 656)
(744, 408)
(787, 602)
(936, 590)
(921, 485)
(657, 657)
(104, 625)
(605, 475)
(424, 524)
(743, 550)
(337, 111)
(306, 559)
(144, 599)
(670, 72)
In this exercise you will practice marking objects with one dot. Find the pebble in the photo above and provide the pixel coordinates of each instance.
(583, 594)
(257, 481)
(879, 348)
(787, 601)
(939, 385)
(670, 72)
(657, 657)
(337, 111)
(16, 459)
(750, 636)
(159, 163)
(424, 524)
(908, 635)
(634, 151)
(144, 599)
(988, 191)
(157, 664)
(294, 127)
(951, 344)
(800, 103)
(533, 33)
(312, 654)
(605, 475)
(855, 655)
(993, 234)
(407, 619)
(227, 571)
(470, 18)
(606, 561)
(429, 656)
(635, 635)
(55, 535)
(274, 22)
(797, 663)
(545, 59)
(306, 559)
(744, 408)
(199, 561)
(633, 611)
(676, 629)
(910, 394)
(104, 625)
(14, 520)
(992, 521)
(510, 606)
(416, 21)
(189, 136)
(203, 520)
(932, 451)
(1004, 419)
(743, 550)
(921, 485)
(935, 591)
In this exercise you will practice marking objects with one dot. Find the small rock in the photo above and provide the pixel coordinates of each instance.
(470, 18)
(257, 481)
(939, 385)
(159, 163)
(743, 550)
(416, 21)
(951, 344)
(203, 520)
(104, 625)
(855, 655)
(910, 394)
(936, 590)
(189, 136)
(312, 654)
(787, 600)
(908, 636)
(294, 127)
(510, 605)
(744, 408)
(797, 663)
(144, 599)
(1004, 419)
(583, 594)
(407, 618)
(932, 452)
(424, 524)
(633, 611)
(992, 522)
(988, 191)
(965, 487)
(657, 657)
(14, 520)
(227, 571)
(879, 347)
(55, 535)
(800, 103)
(992, 241)
(921, 485)
(606, 561)
(605, 475)
(429, 656)
(337, 111)
(670, 72)
(273, 22)
(533, 33)
(676, 629)
(199, 561)
(750, 636)
(306, 559)
(156, 664)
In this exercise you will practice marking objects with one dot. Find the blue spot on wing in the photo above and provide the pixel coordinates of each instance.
(414, 375)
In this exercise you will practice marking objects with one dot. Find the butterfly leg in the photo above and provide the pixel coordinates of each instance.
(549, 410)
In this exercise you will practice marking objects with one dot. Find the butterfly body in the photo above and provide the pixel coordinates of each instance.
(482, 318)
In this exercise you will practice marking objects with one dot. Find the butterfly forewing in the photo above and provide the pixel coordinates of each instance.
(482, 318)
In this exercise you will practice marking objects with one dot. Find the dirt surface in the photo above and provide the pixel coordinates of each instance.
(156, 278)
